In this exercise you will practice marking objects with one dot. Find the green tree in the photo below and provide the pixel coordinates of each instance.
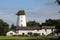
(30, 33)
(48, 22)
(13, 27)
(58, 1)
(4, 27)
(51, 22)
(32, 23)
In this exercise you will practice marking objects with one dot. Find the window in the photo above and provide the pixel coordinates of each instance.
(21, 20)
(37, 29)
(29, 33)
(11, 33)
(23, 34)
(21, 16)
(21, 25)
(45, 29)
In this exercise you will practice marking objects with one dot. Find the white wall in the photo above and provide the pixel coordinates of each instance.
(41, 32)
(48, 31)
(22, 20)
(9, 33)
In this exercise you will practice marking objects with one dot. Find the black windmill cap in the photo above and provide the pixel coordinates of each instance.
(21, 12)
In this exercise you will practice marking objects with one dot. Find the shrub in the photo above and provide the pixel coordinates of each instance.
(36, 34)
(30, 33)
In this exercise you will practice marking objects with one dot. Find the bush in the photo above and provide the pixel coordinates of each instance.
(29, 33)
(36, 34)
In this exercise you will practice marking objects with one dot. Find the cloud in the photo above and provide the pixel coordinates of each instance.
(41, 14)
(37, 14)
(9, 18)
(49, 11)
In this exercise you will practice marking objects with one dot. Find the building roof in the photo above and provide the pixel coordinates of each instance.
(28, 28)
(21, 12)
(48, 27)
(35, 28)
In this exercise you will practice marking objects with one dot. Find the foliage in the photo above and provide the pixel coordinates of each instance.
(57, 31)
(13, 27)
(51, 22)
(36, 34)
(58, 1)
(4, 27)
(21, 12)
(32, 23)
(29, 33)
(28, 38)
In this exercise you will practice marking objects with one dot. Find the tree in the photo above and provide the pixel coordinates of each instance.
(36, 34)
(32, 23)
(51, 22)
(4, 27)
(48, 22)
(58, 1)
(30, 33)
(13, 27)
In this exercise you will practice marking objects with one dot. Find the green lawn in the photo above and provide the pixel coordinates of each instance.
(24, 37)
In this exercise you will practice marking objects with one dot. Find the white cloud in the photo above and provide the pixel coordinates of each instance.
(38, 14)
(41, 14)
(9, 18)
(50, 10)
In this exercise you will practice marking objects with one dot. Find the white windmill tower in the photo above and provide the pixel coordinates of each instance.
(21, 22)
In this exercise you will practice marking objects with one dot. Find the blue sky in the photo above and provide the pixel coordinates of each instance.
(20, 4)
(38, 10)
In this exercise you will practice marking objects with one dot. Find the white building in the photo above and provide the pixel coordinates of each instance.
(33, 30)
(10, 33)
(22, 28)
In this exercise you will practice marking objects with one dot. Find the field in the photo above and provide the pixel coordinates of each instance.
(28, 38)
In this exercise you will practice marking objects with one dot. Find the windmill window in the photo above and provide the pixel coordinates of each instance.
(21, 25)
(21, 16)
(21, 20)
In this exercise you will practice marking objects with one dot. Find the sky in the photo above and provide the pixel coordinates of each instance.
(36, 10)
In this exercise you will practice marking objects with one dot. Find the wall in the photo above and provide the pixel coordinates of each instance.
(22, 20)
(10, 33)
(41, 32)
(25, 32)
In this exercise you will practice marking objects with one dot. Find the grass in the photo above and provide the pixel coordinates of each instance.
(13, 37)
(25, 37)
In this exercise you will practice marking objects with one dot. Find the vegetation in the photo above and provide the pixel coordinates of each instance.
(33, 23)
(4, 27)
(21, 12)
(36, 34)
(28, 38)
(58, 1)
(12, 27)
(29, 33)
(51, 22)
